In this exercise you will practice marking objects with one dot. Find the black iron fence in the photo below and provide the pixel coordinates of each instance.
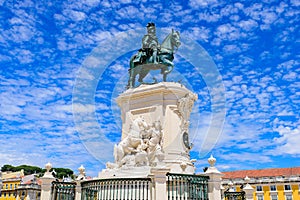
(117, 189)
(63, 190)
(234, 195)
(179, 186)
(189, 187)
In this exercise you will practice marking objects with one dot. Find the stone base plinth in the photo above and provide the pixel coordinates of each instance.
(126, 172)
(170, 104)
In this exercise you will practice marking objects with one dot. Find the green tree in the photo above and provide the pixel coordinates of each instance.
(60, 172)
(29, 169)
(6, 168)
(63, 172)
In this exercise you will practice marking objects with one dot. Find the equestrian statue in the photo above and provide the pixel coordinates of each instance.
(153, 56)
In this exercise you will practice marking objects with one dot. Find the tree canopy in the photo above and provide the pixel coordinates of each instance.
(60, 172)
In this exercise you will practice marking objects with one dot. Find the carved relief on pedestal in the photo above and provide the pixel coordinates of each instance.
(185, 105)
(141, 147)
(183, 110)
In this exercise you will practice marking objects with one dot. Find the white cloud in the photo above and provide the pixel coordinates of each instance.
(231, 49)
(246, 157)
(286, 113)
(10, 109)
(74, 15)
(118, 70)
(247, 25)
(228, 32)
(129, 12)
(295, 3)
(291, 76)
(287, 142)
(201, 3)
(83, 108)
(199, 33)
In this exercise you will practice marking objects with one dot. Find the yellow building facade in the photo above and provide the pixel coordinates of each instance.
(267, 184)
(9, 186)
(10, 182)
(276, 191)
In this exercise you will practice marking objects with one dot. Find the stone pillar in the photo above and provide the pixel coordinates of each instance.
(214, 183)
(160, 183)
(248, 189)
(81, 177)
(47, 180)
(78, 190)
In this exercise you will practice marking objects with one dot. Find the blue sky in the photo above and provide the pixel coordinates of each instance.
(46, 47)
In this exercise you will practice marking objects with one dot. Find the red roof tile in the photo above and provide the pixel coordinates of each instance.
(262, 173)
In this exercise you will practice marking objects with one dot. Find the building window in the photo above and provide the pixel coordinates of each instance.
(260, 197)
(273, 187)
(11, 186)
(259, 188)
(288, 197)
(274, 197)
(287, 187)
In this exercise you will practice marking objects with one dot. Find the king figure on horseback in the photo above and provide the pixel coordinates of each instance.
(153, 56)
(150, 45)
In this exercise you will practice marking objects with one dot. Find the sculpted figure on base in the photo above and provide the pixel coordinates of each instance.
(142, 146)
(129, 145)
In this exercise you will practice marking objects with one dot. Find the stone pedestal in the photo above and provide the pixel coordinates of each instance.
(170, 104)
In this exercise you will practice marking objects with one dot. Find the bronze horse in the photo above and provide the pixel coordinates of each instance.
(165, 56)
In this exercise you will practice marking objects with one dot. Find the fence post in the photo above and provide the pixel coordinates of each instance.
(248, 189)
(79, 179)
(214, 182)
(47, 180)
(160, 183)
(78, 190)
